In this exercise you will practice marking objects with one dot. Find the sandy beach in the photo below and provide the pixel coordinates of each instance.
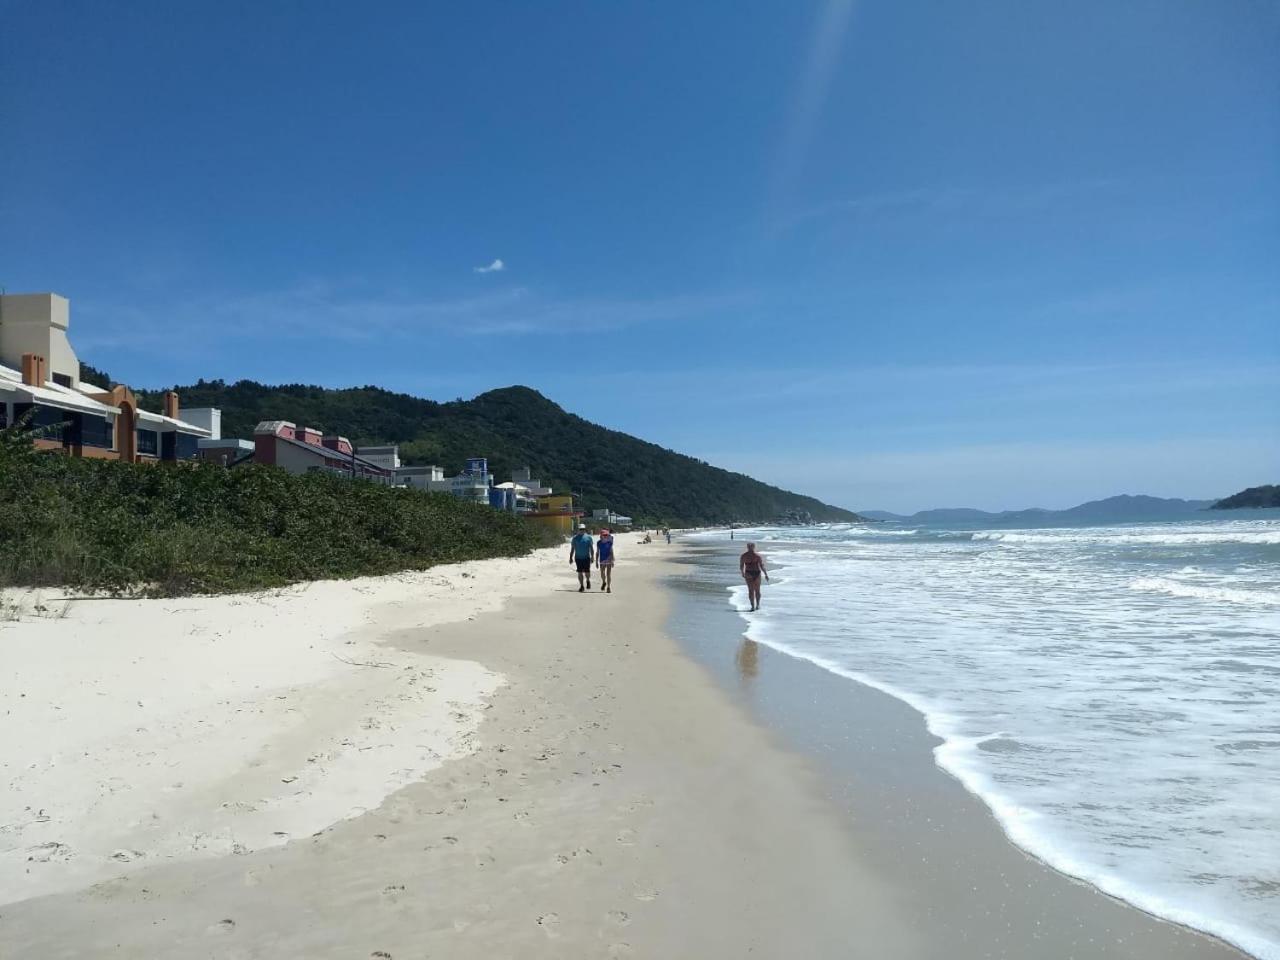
(477, 761)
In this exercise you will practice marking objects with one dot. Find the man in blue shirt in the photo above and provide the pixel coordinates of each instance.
(582, 550)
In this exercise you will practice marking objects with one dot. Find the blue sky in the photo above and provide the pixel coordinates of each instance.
(898, 255)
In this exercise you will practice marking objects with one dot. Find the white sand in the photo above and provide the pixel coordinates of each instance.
(142, 731)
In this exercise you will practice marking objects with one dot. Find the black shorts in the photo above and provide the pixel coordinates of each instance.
(584, 566)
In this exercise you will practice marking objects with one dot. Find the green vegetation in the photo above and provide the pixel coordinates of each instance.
(1267, 495)
(196, 528)
(513, 427)
(99, 378)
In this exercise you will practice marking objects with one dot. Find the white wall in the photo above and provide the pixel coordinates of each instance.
(37, 323)
(208, 417)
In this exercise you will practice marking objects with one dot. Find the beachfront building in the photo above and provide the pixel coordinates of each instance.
(513, 497)
(215, 448)
(519, 494)
(613, 521)
(418, 477)
(523, 477)
(307, 450)
(386, 456)
(557, 512)
(472, 484)
(40, 386)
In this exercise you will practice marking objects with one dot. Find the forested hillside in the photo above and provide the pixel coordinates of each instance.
(513, 427)
(1267, 495)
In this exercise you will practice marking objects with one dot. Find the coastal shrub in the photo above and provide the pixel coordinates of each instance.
(201, 528)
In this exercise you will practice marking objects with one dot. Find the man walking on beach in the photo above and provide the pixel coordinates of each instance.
(751, 566)
(604, 560)
(582, 551)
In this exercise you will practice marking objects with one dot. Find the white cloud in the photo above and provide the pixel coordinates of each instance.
(496, 267)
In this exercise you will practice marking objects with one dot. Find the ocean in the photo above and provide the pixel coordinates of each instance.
(1112, 693)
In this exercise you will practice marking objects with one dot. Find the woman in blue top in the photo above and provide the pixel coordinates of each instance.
(604, 560)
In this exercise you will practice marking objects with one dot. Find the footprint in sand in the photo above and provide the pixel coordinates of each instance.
(646, 895)
(627, 837)
(620, 950)
(620, 917)
(550, 923)
(46, 852)
(221, 927)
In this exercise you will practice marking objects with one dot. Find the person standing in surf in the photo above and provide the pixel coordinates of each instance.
(751, 566)
(604, 560)
(581, 552)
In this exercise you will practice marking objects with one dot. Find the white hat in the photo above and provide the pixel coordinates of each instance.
(582, 526)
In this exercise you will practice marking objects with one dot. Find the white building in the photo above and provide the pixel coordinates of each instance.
(472, 484)
(607, 518)
(521, 476)
(420, 478)
(387, 457)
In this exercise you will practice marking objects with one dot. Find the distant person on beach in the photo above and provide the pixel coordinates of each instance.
(751, 566)
(582, 551)
(668, 537)
(730, 533)
(604, 560)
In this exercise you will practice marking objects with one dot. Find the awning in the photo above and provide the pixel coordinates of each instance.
(57, 397)
(163, 422)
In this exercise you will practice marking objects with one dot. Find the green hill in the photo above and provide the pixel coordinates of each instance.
(1267, 495)
(513, 427)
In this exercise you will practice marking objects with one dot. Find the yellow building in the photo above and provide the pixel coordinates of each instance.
(556, 511)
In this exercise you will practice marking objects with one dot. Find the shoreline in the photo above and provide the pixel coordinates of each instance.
(908, 758)
(625, 793)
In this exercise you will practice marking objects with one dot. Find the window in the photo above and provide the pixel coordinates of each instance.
(62, 379)
(95, 432)
(148, 442)
(187, 447)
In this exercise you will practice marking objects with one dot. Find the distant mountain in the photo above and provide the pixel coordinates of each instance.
(882, 515)
(513, 427)
(1112, 509)
(1126, 507)
(1264, 496)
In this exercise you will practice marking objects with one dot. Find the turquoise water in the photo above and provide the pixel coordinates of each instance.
(1111, 692)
